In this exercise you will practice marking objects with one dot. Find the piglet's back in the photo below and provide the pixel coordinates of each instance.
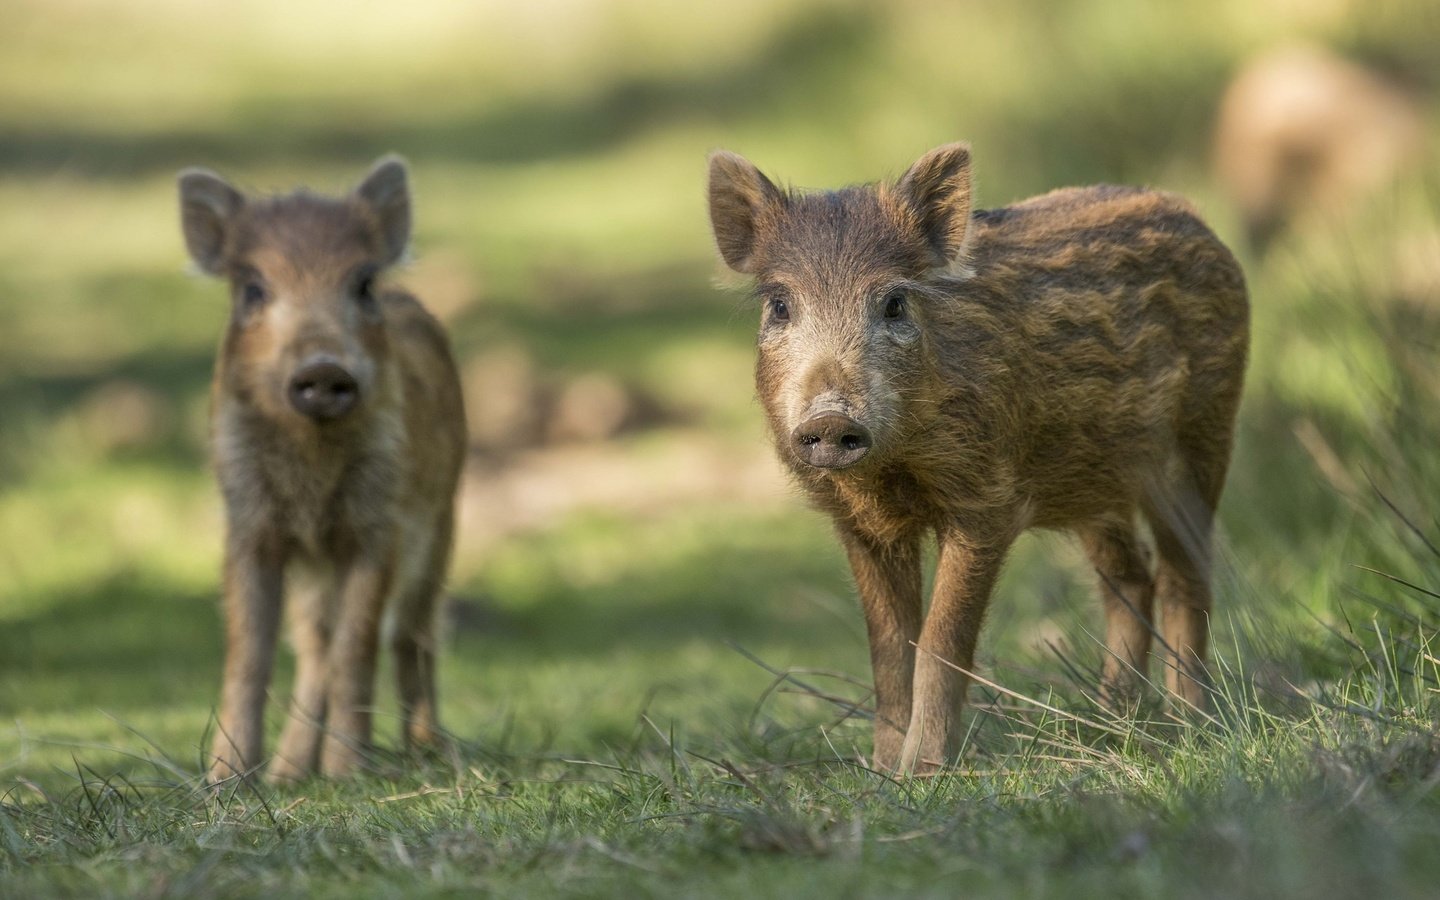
(1101, 236)
(434, 409)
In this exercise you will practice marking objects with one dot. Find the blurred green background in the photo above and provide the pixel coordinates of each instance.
(623, 520)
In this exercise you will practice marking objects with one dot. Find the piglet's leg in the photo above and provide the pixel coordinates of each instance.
(963, 580)
(888, 579)
(310, 607)
(254, 584)
(414, 638)
(352, 654)
(1128, 592)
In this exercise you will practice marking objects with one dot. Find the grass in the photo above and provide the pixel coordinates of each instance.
(663, 691)
(1327, 797)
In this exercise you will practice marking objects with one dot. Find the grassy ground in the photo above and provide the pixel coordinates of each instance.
(624, 608)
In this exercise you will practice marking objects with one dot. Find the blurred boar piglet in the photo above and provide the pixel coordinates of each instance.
(338, 435)
(1302, 132)
(1071, 362)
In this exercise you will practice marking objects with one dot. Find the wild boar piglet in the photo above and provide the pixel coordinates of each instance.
(338, 434)
(1070, 362)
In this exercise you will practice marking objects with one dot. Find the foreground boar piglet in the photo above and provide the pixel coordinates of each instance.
(338, 434)
(1071, 362)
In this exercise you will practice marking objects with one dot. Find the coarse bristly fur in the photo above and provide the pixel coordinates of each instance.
(344, 521)
(1071, 362)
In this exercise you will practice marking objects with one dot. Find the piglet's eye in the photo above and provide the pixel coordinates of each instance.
(779, 309)
(252, 294)
(895, 304)
(365, 290)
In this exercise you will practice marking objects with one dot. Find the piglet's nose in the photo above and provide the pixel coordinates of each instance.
(831, 441)
(323, 390)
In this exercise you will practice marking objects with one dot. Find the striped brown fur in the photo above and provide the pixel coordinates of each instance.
(1071, 362)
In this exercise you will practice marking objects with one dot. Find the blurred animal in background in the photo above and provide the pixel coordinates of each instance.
(1303, 132)
(1072, 362)
(338, 434)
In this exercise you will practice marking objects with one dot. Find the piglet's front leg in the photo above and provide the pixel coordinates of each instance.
(888, 579)
(964, 578)
(352, 656)
(254, 582)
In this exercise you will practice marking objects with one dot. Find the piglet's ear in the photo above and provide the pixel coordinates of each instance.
(739, 197)
(937, 191)
(386, 191)
(208, 205)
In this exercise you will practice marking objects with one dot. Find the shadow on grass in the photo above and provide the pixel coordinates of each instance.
(814, 52)
(127, 642)
(1115, 126)
(755, 583)
(617, 326)
(169, 380)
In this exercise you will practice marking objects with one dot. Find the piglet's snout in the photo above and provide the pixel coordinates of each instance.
(322, 389)
(831, 440)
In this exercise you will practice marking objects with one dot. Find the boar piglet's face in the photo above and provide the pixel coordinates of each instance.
(306, 339)
(846, 281)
